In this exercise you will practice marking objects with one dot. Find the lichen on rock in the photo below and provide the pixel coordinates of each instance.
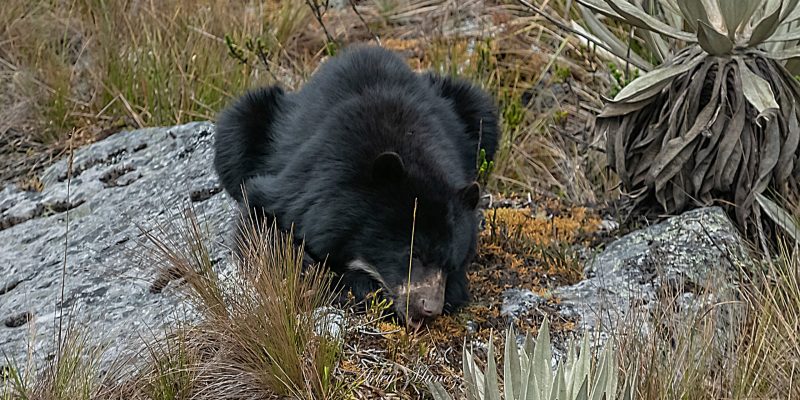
(691, 261)
(86, 222)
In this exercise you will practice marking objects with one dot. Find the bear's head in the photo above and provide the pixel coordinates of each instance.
(415, 236)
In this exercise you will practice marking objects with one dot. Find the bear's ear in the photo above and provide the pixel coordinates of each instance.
(388, 166)
(470, 195)
(475, 108)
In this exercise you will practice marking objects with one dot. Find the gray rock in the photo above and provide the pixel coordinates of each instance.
(517, 301)
(608, 225)
(139, 178)
(692, 260)
(329, 322)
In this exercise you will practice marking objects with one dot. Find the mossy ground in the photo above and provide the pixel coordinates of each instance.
(536, 247)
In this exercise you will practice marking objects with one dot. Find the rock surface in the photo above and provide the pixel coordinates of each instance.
(138, 178)
(692, 260)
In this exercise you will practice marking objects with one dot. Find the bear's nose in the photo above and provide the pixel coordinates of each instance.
(429, 308)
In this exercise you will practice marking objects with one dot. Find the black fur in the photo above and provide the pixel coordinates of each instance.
(243, 139)
(345, 157)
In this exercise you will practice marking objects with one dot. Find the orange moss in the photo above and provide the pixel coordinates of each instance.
(349, 366)
(536, 227)
(520, 248)
(529, 249)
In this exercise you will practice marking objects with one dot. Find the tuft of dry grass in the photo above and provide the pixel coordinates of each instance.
(260, 330)
(770, 361)
(96, 66)
(73, 374)
(712, 355)
(89, 62)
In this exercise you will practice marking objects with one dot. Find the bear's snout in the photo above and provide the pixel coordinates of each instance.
(429, 307)
(423, 298)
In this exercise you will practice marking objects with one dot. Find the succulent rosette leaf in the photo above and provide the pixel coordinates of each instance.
(718, 120)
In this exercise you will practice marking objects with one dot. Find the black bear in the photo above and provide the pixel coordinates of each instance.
(364, 154)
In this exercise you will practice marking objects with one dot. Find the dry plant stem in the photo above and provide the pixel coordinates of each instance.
(315, 9)
(364, 22)
(60, 307)
(410, 258)
(566, 28)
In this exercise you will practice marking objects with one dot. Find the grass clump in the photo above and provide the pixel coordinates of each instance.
(172, 366)
(772, 358)
(261, 331)
(73, 374)
(93, 61)
(745, 348)
(96, 66)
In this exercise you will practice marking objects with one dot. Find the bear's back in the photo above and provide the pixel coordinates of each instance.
(355, 70)
(359, 104)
